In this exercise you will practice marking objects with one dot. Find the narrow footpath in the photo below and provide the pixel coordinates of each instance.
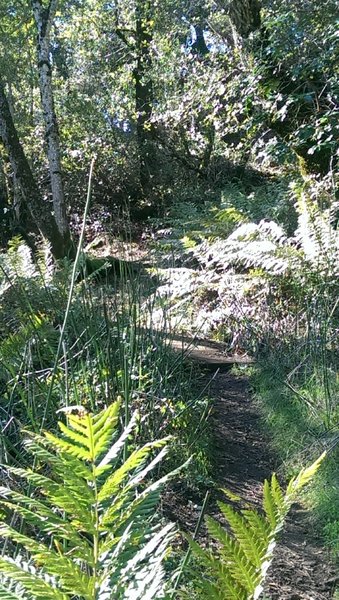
(301, 569)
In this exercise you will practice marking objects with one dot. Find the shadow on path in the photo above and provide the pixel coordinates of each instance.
(301, 569)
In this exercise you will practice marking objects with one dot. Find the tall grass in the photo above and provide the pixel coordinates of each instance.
(66, 343)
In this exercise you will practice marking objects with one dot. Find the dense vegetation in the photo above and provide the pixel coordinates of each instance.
(166, 168)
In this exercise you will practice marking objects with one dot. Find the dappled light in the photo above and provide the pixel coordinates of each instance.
(169, 300)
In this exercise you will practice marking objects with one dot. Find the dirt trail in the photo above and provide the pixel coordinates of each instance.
(301, 569)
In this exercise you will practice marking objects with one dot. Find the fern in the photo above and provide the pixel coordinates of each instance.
(264, 245)
(236, 571)
(318, 237)
(91, 516)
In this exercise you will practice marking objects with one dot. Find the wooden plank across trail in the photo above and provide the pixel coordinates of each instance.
(207, 352)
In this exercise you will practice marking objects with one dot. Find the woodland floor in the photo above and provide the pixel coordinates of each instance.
(301, 569)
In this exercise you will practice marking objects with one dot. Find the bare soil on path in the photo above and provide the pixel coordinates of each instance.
(301, 569)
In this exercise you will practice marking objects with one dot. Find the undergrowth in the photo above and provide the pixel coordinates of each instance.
(296, 434)
(71, 339)
(269, 288)
(110, 348)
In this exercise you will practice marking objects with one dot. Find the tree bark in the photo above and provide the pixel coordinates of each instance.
(26, 182)
(245, 16)
(44, 19)
(144, 90)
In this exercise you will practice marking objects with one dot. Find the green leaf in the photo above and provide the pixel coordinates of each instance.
(269, 506)
(249, 540)
(133, 462)
(69, 575)
(31, 581)
(83, 543)
(8, 595)
(304, 477)
(75, 505)
(238, 563)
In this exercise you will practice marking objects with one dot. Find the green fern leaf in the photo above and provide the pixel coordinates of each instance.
(269, 506)
(104, 426)
(246, 556)
(134, 461)
(73, 436)
(9, 595)
(39, 514)
(277, 495)
(113, 452)
(41, 448)
(258, 524)
(248, 540)
(238, 564)
(304, 477)
(31, 582)
(69, 575)
(76, 506)
(88, 539)
(219, 572)
(68, 447)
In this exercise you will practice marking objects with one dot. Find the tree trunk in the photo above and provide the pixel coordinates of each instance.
(144, 91)
(26, 182)
(44, 19)
(245, 16)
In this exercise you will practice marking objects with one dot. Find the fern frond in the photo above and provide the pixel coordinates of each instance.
(146, 499)
(247, 539)
(224, 582)
(77, 438)
(41, 448)
(270, 506)
(259, 526)
(277, 494)
(95, 530)
(31, 581)
(114, 451)
(68, 573)
(304, 477)
(8, 595)
(246, 555)
(238, 563)
(39, 514)
(74, 504)
(69, 447)
(133, 462)
(142, 583)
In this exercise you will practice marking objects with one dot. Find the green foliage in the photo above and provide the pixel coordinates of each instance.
(237, 569)
(314, 247)
(112, 346)
(88, 530)
(294, 422)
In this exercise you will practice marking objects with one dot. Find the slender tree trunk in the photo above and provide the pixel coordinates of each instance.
(144, 90)
(23, 177)
(44, 19)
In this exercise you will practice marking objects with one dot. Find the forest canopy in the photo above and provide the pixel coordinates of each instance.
(158, 92)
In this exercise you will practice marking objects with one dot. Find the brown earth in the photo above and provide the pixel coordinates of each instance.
(301, 569)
